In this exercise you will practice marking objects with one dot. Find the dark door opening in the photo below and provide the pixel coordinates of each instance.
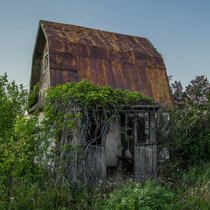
(135, 128)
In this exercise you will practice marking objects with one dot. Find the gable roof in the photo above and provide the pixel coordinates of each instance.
(104, 58)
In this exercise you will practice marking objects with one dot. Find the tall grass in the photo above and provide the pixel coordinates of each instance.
(26, 195)
(192, 187)
(183, 190)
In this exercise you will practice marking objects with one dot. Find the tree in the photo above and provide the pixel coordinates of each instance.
(19, 138)
(13, 102)
(188, 136)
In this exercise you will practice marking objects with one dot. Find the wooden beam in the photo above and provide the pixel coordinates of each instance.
(39, 105)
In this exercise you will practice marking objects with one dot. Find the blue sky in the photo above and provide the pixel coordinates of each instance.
(180, 30)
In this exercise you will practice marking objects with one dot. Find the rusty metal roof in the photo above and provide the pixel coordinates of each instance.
(105, 58)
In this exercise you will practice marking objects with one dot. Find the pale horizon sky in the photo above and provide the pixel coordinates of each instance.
(180, 30)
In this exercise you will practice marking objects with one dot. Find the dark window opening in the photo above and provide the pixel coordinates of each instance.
(130, 134)
(94, 132)
(129, 128)
(94, 129)
(138, 121)
(142, 127)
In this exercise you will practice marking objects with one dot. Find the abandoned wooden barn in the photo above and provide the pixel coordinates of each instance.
(68, 53)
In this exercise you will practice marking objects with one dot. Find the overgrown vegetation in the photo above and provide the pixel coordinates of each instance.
(184, 132)
(75, 111)
(26, 184)
(19, 139)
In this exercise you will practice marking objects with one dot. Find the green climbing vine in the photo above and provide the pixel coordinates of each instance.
(76, 115)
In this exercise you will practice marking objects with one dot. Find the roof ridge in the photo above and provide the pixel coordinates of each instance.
(100, 30)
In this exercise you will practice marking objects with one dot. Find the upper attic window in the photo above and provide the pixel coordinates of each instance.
(46, 63)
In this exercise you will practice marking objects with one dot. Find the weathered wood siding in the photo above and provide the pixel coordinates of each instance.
(145, 162)
(91, 165)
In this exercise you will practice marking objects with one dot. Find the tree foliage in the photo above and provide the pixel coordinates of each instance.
(13, 102)
(18, 131)
(187, 136)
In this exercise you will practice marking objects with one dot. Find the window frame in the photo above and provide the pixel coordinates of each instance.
(44, 59)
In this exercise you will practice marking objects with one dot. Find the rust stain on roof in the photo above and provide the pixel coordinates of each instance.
(105, 58)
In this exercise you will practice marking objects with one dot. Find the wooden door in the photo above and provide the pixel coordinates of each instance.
(140, 140)
(145, 152)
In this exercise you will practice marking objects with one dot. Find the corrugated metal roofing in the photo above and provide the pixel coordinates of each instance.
(105, 58)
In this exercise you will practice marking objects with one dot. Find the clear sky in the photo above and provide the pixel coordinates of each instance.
(179, 29)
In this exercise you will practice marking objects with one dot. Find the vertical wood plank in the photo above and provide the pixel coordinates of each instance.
(97, 167)
(143, 163)
(155, 161)
(148, 158)
(137, 152)
(103, 164)
(137, 163)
